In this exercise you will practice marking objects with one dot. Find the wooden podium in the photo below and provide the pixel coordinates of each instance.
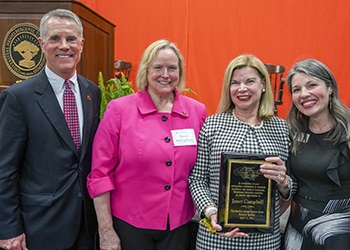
(98, 52)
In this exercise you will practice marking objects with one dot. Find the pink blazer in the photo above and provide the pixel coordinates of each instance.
(134, 158)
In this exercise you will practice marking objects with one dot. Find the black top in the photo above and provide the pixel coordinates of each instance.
(322, 169)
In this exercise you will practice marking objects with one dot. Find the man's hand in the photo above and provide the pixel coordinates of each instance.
(17, 243)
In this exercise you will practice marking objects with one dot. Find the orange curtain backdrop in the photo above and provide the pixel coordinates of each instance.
(211, 33)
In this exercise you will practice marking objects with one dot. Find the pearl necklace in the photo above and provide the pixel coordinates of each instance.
(250, 125)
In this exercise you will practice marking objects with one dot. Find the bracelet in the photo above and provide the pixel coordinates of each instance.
(288, 187)
(209, 211)
(289, 184)
(210, 214)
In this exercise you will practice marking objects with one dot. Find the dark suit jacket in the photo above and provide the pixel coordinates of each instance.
(42, 176)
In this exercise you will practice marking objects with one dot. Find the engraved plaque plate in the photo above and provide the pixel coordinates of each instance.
(246, 197)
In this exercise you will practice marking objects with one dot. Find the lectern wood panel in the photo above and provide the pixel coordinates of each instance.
(98, 51)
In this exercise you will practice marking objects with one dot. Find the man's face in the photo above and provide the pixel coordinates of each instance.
(62, 46)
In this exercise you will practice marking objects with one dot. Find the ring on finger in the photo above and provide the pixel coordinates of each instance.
(278, 175)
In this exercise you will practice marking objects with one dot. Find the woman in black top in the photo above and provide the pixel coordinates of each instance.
(319, 162)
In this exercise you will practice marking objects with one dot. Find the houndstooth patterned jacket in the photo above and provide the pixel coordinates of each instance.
(224, 133)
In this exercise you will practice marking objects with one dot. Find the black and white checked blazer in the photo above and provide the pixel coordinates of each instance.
(223, 133)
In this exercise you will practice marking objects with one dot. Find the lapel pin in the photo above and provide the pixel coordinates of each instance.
(184, 112)
(88, 97)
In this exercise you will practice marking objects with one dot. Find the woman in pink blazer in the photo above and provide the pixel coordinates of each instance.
(143, 153)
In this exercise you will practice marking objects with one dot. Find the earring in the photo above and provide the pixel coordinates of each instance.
(330, 101)
(263, 90)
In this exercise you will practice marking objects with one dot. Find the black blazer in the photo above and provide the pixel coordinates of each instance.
(42, 176)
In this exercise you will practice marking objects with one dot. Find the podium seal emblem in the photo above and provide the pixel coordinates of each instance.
(22, 52)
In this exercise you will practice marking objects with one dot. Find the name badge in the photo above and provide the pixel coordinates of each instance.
(184, 137)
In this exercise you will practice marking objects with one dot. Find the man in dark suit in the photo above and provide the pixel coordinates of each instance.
(44, 203)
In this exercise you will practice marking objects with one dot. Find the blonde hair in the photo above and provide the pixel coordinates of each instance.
(266, 107)
(148, 58)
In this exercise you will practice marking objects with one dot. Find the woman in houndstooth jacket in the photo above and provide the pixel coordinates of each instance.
(244, 123)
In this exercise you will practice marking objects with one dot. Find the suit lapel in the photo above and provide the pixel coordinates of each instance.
(48, 102)
(86, 99)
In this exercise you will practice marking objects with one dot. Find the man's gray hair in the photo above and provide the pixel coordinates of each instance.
(61, 14)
